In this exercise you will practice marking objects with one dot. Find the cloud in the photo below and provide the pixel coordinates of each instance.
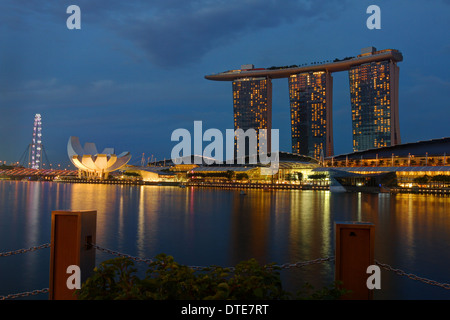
(187, 31)
(172, 33)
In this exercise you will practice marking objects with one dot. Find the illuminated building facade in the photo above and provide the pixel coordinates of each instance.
(310, 97)
(252, 105)
(92, 164)
(374, 101)
(373, 76)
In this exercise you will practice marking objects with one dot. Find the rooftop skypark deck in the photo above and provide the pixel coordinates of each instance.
(285, 72)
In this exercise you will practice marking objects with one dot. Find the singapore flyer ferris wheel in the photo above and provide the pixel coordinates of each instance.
(35, 151)
(36, 145)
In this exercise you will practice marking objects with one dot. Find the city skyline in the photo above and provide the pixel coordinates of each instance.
(138, 70)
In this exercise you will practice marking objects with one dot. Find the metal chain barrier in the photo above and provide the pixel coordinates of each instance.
(284, 266)
(148, 261)
(305, 263)
(297, 265)
(116, 253)
(413, 276)
(27, 293)
(24, 294)
(10, 253)
(136, 259)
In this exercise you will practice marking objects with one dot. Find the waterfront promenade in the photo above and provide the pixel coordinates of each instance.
(70, 176)
(251, 185)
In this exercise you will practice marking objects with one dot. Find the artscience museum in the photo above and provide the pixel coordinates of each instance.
(94, 165)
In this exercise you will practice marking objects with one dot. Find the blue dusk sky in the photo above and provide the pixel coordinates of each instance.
(135, 70)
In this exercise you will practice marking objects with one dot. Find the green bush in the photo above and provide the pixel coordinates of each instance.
(441, 178)
(317, 176)
(423, 179)
(165, 279)
(131, 174)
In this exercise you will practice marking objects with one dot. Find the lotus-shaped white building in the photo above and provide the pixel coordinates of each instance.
(92, 164)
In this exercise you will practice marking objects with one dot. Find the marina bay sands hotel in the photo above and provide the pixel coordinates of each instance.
(373, 79)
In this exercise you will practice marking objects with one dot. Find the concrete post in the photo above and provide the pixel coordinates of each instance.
(354, 253)
(70, 233)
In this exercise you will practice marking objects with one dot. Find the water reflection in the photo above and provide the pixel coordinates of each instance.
(215, 226)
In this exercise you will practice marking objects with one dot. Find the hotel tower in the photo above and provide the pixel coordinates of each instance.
(373, 78)
(374, 101)
(310, 96)
(252, 105)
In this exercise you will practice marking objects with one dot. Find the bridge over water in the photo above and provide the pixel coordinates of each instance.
(20, 173)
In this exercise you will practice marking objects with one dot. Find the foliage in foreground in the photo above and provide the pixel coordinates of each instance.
(165, 279)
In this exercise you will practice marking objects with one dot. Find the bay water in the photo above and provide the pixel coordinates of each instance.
(215, 226)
